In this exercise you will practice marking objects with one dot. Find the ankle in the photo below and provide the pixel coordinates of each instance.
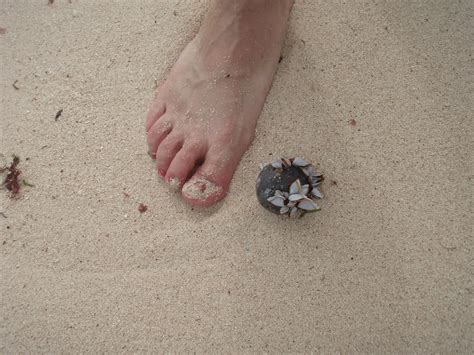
(244, 32)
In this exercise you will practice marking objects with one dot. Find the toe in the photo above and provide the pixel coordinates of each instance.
(166, 152)
(211, 181)
(184, 163)
(157, 133)
(157, 110)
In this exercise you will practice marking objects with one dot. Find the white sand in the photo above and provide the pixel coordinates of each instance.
(386, 266)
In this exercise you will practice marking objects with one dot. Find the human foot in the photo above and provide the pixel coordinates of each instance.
(204, 115)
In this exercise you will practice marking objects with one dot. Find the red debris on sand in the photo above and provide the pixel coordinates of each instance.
(3, 30)
(12, 181)
(352, 122)
(142, 208)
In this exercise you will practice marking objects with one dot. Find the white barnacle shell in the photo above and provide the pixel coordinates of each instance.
(278, 193)
(295, 187)
(277, 164)
(300, 162)
(295, 197)
(316, 193)
(308, 205)
(304, 189)
(314, 173)
(291, 203)
(295, 212)
(281, 194)
(315, 180)
(278, 201)
(308, 170)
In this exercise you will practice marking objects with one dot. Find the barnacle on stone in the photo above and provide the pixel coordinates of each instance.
(289, 186)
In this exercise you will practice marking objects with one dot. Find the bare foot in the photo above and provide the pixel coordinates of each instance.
(204, 115)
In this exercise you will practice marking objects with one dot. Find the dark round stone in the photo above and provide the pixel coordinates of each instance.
(271, 179)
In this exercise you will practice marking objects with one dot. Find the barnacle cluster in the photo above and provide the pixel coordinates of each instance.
(291, 187)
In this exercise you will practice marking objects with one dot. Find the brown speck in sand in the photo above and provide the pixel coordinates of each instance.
(26, 183)
(3, 215)
(12, 180)
(50, 2)
(280, 59)
(15, 86)
(142, 208)
(58, 114)
(352, 122)
(3, 30)
(126, 195)
(334, 182)
(175, 13)
(201, 189)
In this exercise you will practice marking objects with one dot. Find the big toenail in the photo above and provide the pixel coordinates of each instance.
(201, 189)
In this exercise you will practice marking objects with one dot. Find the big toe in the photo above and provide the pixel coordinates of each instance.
(211, 181)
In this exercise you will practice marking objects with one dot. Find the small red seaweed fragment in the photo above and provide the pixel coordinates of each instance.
(3, 30)
(352, 122)
(142, 208)
(58, 114)
(11, 181)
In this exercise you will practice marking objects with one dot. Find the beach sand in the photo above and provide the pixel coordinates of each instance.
(377, 94)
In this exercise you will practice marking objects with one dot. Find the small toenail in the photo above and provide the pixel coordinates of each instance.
(162, 172)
